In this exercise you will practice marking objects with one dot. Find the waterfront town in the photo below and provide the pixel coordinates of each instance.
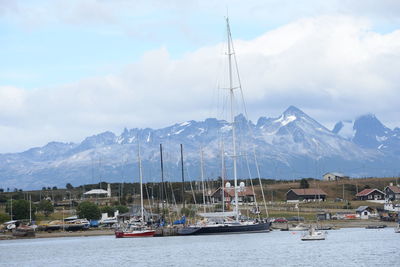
(332, 202)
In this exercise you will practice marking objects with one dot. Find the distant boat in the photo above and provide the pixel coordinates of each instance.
(76, 225)
(375, 226)
(220, 222)
(313, 235)
(132, 231)
(324, 227)
(140, 229)
(299, 227)
(23, 231)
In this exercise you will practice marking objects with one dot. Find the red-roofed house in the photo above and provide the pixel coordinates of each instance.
(244, 196)
(305, 194)
(371, 195)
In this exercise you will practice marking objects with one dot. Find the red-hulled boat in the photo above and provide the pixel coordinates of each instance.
(137, 230)
(135, 233)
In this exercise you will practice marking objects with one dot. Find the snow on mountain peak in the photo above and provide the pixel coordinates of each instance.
(186, 123)
(284, 120)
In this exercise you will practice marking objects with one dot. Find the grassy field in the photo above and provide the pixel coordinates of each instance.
(343, 189)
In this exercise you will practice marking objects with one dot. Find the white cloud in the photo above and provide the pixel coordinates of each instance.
(333, 67)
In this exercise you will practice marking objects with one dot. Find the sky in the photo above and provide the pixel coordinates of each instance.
(71, 69)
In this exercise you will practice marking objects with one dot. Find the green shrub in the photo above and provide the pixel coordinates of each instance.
(4, 217)
(88, 210)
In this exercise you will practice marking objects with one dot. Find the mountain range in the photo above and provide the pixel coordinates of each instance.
(294, 145)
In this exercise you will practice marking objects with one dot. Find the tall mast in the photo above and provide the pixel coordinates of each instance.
(30, 208)
(202, 179)
(223, 175)
(162, 181)
(231, 90)
(141, 184)
(183, 179)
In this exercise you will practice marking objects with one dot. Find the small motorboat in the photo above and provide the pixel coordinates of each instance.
(313, 235)
(397, 229)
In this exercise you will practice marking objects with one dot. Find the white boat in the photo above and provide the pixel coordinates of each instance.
(397, 229)
(313, 235)
(299, 227)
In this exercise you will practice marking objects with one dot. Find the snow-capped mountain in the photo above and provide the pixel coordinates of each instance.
(291, 146)
(368, 132)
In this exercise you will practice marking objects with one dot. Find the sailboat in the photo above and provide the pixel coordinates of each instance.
(137, 230)
(218, 222)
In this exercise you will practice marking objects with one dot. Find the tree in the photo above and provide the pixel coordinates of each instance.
(69, 186)
(304, 183)
(88, 210)
(54, 187)
(1, 190)
(3, 198)
(46, 207)
(20, 209)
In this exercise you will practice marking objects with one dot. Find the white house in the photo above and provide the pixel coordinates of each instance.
(334, 176)
(365, 212)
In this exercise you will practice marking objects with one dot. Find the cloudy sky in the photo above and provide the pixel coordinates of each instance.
(70, 69)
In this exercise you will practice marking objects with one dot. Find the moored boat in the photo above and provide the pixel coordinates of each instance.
(218, 223)
(313, 235)
(135, 232)
(299, 227)
(139, 229)
(376, 226)
(226, 228)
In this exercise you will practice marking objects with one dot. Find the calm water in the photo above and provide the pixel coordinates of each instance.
(345, 247)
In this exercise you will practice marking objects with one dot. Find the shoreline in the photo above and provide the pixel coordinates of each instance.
(335, 224)
(56, 234)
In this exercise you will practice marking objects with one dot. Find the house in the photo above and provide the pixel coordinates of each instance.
(334, 176)
(245, 195)
(99, 196)
(95, 193)
(306, 194)
(392, 192)
(365, 212)
(369, 194)
(392, 198)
